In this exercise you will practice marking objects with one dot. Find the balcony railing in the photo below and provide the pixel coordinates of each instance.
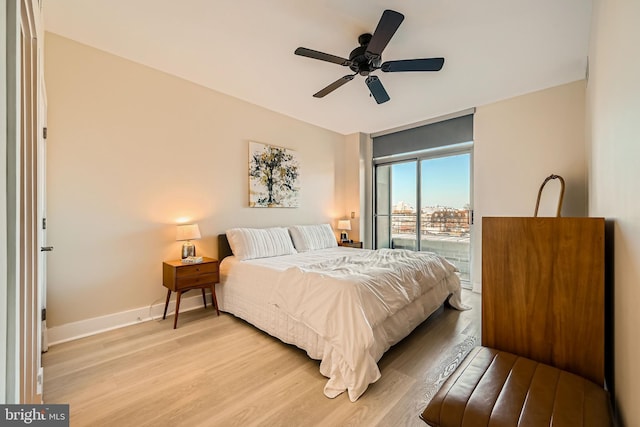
(446, 235)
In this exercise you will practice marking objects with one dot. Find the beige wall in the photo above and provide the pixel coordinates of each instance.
(352, 185)
(130, 151)
(517, 144)
(613, 130)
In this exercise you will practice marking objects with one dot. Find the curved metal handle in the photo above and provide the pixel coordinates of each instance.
(46, 248)
(549, 178)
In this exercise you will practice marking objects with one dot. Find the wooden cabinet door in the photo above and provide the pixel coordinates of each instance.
(543, 291)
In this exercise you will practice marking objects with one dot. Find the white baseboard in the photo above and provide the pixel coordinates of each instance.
(477, 287)
(96, 325)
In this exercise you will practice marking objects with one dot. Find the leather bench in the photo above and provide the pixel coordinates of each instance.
(493, 388)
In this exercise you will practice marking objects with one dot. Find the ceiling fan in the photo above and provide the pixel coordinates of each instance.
(367, 58)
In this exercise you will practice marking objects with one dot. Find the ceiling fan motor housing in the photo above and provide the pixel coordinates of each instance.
(360, 62)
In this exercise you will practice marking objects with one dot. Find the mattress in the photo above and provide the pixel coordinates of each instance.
(251, 290)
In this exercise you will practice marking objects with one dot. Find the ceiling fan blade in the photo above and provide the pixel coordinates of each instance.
(314, 54)
(333, 86)
(387, 27)
(427, 64)
(376, 89)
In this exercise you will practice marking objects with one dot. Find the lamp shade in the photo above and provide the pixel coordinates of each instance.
(344, 224)
(187, 232)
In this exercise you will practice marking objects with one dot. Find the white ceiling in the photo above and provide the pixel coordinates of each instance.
(494, 49)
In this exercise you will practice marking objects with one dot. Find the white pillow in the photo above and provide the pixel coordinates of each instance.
(250, 243)
(312, 237)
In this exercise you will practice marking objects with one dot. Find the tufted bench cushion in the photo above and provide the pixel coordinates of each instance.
(493, 388)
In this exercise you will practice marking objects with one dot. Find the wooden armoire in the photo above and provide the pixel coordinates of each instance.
(543, 291)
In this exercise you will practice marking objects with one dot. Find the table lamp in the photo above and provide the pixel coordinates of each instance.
(344, 225)
(188, 232)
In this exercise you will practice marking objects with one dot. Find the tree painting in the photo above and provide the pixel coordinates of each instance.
(273, 176)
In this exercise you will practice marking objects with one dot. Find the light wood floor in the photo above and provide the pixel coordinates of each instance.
(220, 371)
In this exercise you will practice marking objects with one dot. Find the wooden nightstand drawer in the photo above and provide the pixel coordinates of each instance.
(190, 281)
(351, 244)
(176, 275)
(196, 269)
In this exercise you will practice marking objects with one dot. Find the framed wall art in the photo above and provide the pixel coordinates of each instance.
(273, 176)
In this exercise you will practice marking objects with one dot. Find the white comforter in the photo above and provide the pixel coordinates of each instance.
(342, 300)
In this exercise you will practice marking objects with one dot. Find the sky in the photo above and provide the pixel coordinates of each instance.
(445, 182)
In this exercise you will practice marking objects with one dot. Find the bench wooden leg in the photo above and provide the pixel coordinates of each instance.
(204, 298)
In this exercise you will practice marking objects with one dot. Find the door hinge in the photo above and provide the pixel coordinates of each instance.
(44, 132)
(44, 223)
(44, 314)
(40, 381)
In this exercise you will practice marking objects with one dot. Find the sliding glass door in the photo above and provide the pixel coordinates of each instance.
(445, 208)
(424, 204)
(396, 199)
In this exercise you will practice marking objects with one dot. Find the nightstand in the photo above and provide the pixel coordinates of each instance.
(351, 244)
(179, 277)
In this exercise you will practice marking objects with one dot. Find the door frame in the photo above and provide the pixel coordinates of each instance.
(20, 359)
(8, 138)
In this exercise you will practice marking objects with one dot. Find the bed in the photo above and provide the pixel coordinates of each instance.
(343, 306)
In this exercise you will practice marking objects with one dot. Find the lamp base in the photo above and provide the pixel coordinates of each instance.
(344, 237)
(188, 249)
